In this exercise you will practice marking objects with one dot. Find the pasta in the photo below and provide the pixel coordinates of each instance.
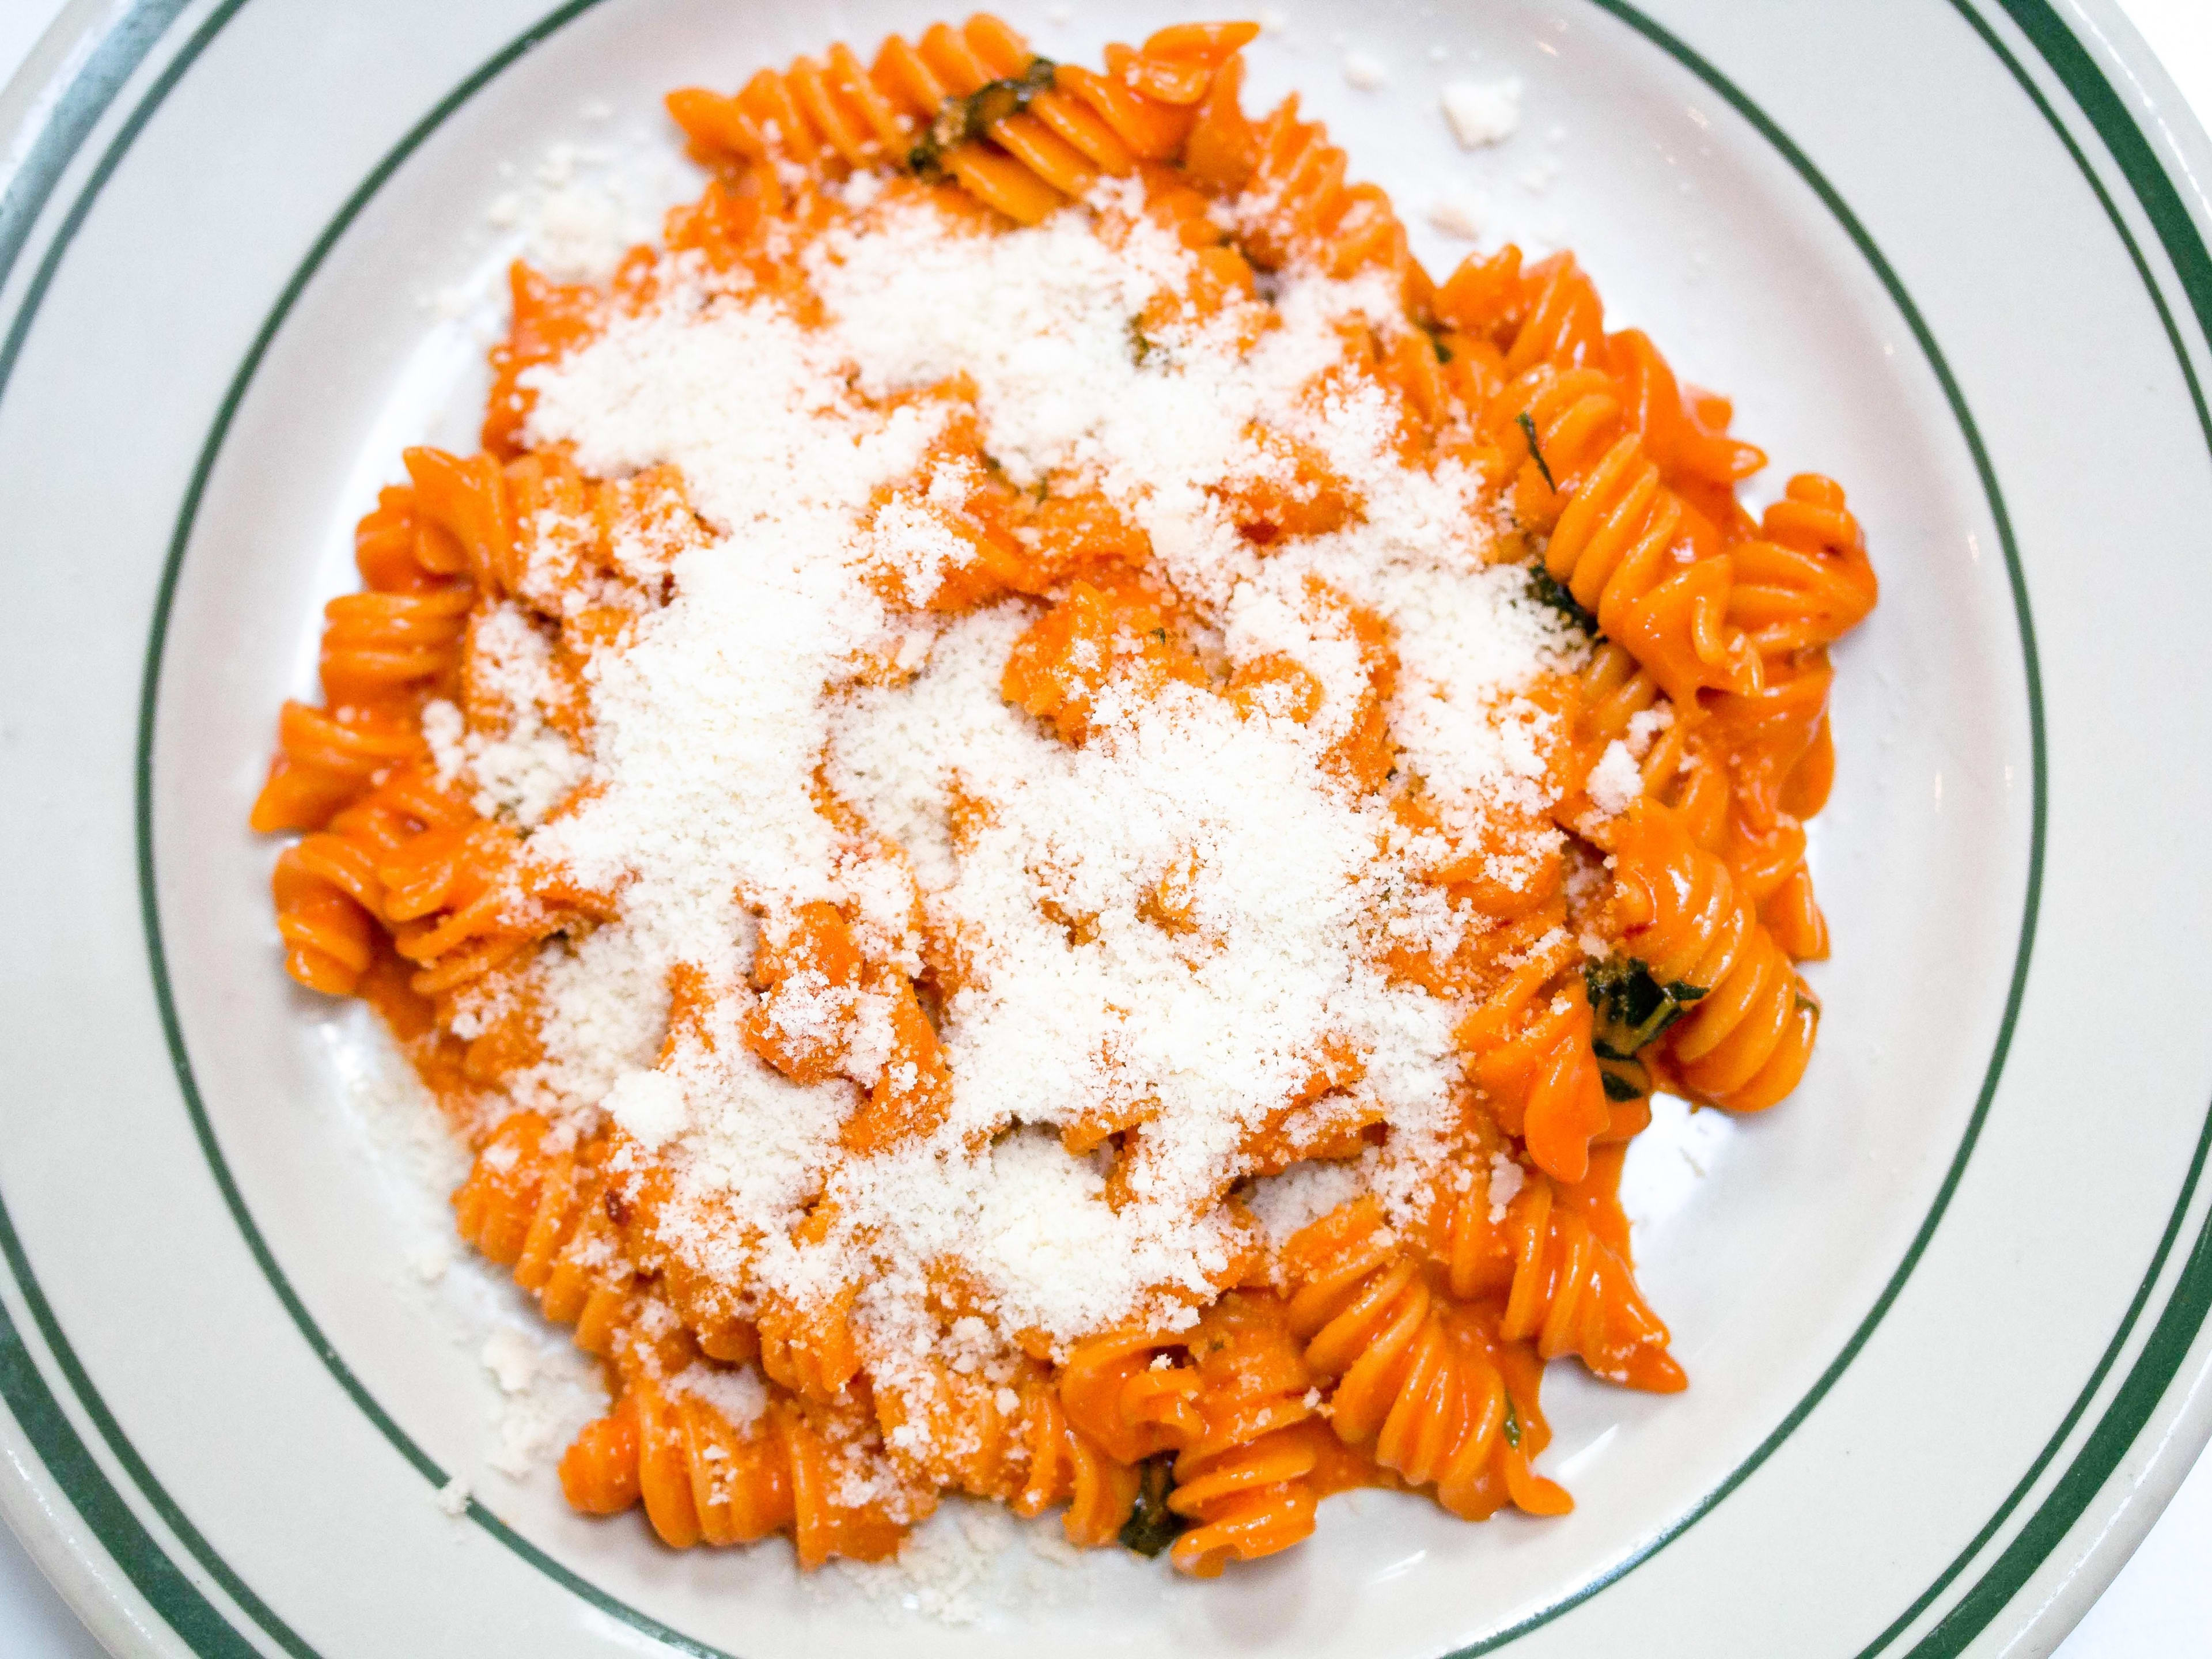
(1048, 822)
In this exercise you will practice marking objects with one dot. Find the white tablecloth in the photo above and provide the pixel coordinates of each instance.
(2160, 1606)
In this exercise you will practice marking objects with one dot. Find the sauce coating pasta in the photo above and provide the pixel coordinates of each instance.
(1075, 905)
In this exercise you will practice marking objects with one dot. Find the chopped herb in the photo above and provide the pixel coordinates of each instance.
(1160, 635)
(1549, 591)
(1512, 1425)
(1806, 1005)
(1152, 1526)
(1624, 1080)
(960, 120)
(1437, 341)
(1140, 344)
(1528, 425)
(1632, 1008)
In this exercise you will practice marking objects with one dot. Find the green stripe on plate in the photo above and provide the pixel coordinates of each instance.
(141, 1557)
(2187, 1304)
(113, 61)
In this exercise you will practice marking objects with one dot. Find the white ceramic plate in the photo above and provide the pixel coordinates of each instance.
(1942, 1312)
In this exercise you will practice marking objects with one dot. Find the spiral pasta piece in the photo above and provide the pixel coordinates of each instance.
(384, 650)
(1600, 442)
(1063, 1465)
(1565, 1286)
(1806, 581)
(465, 499)
(383, 645)
(702, 1480)
(1560, 321)
(1243, 1481)
(1685, 436)
(1612, 547)
(1415, 1380)
(1531, 325)
(953, 1430)
(326, 758)
(329, 938)
(808, 1347)
(1129, 1405)
(547, 321)
(1760, 767)
(459, 903)
(1298, 203)
(330, 887)
(705, 1478)
(1745, 1042)
(543, 1213)
(1802, 585)
(973, 104)
(389, 849)
(1531, 1055)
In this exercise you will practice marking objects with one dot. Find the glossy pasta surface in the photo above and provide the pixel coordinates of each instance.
(1047, 819)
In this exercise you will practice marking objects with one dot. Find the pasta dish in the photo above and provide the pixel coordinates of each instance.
(1047, 820)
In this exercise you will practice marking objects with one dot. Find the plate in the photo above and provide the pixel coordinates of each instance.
(1943, 1312)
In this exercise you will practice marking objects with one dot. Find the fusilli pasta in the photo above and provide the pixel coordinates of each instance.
(847, 888)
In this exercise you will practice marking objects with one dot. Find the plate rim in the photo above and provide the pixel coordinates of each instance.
(109, 58)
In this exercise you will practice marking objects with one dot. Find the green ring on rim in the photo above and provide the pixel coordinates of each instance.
(205, 1627)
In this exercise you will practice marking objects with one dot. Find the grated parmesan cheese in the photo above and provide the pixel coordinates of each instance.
(1483, 112)
(1615, 782)
(511, 1356)
(791, 653)
(1457, 214)
(1365, 71)
(1300, 1195)
(736, 1393)
(1506, 1179)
